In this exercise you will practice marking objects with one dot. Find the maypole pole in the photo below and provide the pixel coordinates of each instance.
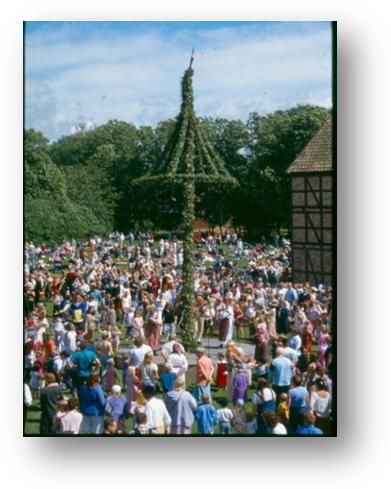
(187, 293)
(188, 216)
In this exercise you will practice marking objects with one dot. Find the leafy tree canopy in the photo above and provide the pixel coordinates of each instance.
(82, 183)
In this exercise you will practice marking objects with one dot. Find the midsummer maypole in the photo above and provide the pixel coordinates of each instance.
(190, 162)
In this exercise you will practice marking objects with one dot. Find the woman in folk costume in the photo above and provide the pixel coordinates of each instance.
(323, 342)
(152, 331)
(223, 325)
(240, 384)
(230, 310)
(155, 285)
(168, 289)
(179, 362)
(239, 420)
(167, 282)
(261, 353)
(270, 317)
(234, 356)
(226, 319)
(221, 371)
(307, 336)
(261, 325)
(132, 384)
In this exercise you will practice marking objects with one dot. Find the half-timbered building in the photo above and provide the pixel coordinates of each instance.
(312, 218)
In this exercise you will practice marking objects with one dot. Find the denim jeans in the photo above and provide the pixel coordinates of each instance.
(199, 390)
(225, 428)
(92, 424)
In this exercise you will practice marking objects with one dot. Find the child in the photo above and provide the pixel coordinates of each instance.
(129, 317)
(225, 417)
(168, 320)
(138, 406)
(168, 378)
(125, 366)
(239, 420)
(61, 410)
(251, 424)
(250, 364)
(132, 383)
(141, 425)
(221, 371)
(283, 408)
(117, 407)
(137, 330)
(37, 380)
(149, 370)
(110, 426)
(205, 416)
(110, 377)
(262, 371)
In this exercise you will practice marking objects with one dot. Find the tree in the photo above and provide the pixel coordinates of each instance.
(91, 186)
(50, 214)
(275, 141)
(127, 160)
(96, 170)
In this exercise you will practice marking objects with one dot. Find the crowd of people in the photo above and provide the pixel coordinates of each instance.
(108, 359)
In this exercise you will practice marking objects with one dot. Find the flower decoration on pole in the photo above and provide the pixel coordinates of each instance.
(190, 161)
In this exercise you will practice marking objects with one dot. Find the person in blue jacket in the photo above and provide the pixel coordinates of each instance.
(92, 405)
(308, 427)
(117, 407)
(206, 416)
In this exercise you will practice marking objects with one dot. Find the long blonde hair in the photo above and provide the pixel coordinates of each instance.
(140, 399)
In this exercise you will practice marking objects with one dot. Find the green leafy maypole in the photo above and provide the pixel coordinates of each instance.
(188, 162)
(186, 139)
(187, 292)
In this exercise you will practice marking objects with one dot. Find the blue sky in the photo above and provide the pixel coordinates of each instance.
(91, 72)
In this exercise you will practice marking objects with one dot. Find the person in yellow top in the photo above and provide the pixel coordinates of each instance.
(283, 409)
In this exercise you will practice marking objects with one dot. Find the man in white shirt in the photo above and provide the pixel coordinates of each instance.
(139, 351)
(289, 352)
(295, 341)
(158, 419)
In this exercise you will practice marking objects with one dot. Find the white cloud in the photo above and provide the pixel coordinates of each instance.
(135, 76)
